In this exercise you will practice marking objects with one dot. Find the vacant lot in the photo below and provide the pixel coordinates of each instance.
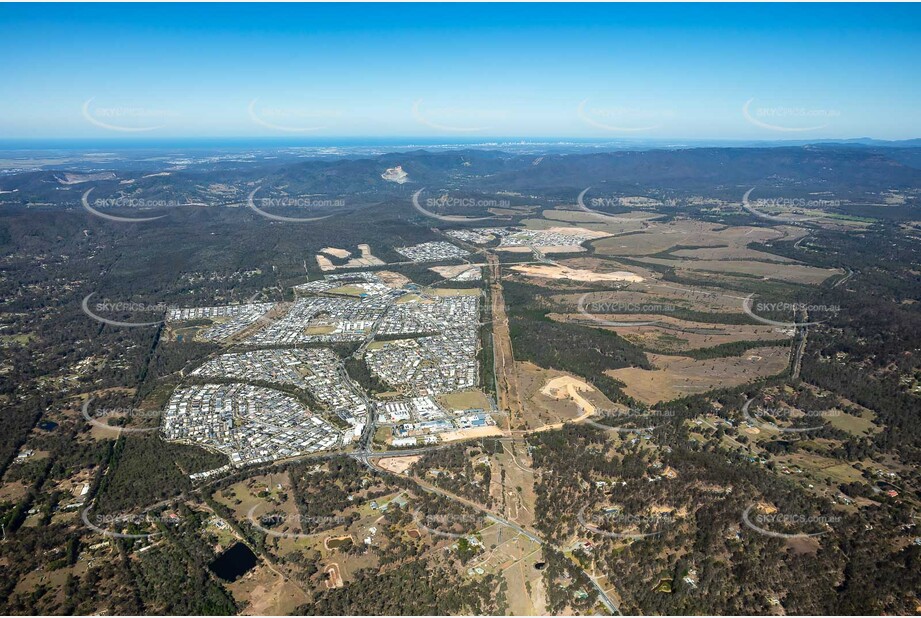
(698, 246)
(339, 253)
(567, 387)
(794, 273)
(822, 469)
(470, 433)
(454, 291)
(465, 400)
(664, 296)
(856, 425)
(513, 556)
(542, 409)
(590, 221)
(364, 258)
(449, 272)
(266, 593)
(730, 253)
(675, 336)
(547, 271)
(393, 279)
(514, 490)
(659, 237)
(678, 376)
(398, 465)
(348, 290)
(683, 317)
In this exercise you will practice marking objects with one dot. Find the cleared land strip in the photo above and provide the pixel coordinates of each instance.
(506, 379)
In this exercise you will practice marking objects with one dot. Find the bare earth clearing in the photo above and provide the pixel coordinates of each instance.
(544, 411)
(398, 465)
(561, 272)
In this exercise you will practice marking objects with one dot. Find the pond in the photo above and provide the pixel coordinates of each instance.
(234, 562)
(337, 542)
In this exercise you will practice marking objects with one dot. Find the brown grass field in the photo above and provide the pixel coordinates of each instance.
(513, 556)
(541, 409)
(464, 400)
(516, 495)
(731, 253)
(551, 218)
(794, 273)
(266, 593)
(678, 376)
(855, 425)
(674, 335)
(658, 237)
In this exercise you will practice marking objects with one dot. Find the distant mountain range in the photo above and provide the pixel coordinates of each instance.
(854, 166)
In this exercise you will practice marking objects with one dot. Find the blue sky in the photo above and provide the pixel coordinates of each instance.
(503, 70)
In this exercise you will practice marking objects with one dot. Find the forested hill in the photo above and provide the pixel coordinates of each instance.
(827, 167)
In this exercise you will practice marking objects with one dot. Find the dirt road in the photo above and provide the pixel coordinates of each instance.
(506, 378)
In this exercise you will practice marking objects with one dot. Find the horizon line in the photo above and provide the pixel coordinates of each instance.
(447, 138)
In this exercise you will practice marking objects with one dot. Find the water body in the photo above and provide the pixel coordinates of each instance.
(234, 563)
(339, 542)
